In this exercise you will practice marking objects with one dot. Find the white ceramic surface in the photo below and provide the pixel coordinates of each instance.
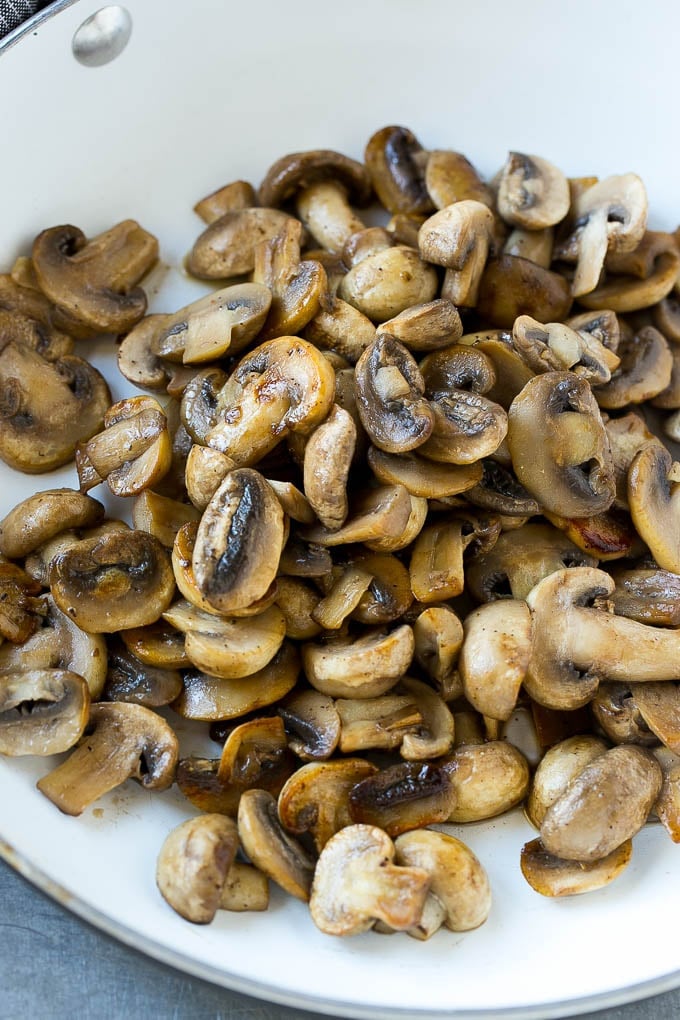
(206, 92)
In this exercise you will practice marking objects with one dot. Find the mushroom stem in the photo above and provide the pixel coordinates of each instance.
(328, 216)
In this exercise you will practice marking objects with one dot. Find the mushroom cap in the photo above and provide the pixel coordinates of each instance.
(270, 848)
(457, 879)
(390, 397)
(193, 864)
(556, 769)
(227, 246)
(486, 780)
(495, 656)
(654, 501)
(315, 798)
(406, 796)
(42, 711)
(363, 667)
(532, 192)
(312, 724)
(122, 579)
(356, 883)
(394, 160)
(225, 320)
(388, 281)
(553, 876)
(298, 170)
(328, 457)
(129, 679)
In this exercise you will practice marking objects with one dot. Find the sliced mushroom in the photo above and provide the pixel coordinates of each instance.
(33, 330)
(616, 713)
(205, 471)
(364, 667)
(553, 876)
(450, 177)
(627, 435)
(425, 327)
(235, 195)
(570, 471)
(126, 742)
(315, 799)
(645, 370)
(639, 279)
(158, 644)
(654, 498)
(495, 656)
(299, 170)
(342, 598)
(458, 237)
(210, 698)
(128, 679)
(532, 192)
(396, 162)
(421, 477)
(20, 610)
(390, 397)
(298, 288)
(328, 458)
(512, 286)
(226, 320)
(667, 806)
(94, 283)
(42, 711)
(227, 246)
(304, 559)
(239, 541)
(605, 805)
(122, 579)
(560, 764)
(436, 564)
(193, 865)
(659, 706)
(458, 882)
(133, 452)
(282, 385)
(467, 426)
(394, 541)
(498, 490)
(46, 407)
(665, 316)
(534, 245)
(433, 736)
(340, 327)
(486, 779)
(297, 600)
(403, 797)
(647, 594)
(380, 513)
(512, 374)
(438, 635)
(519, 560)
(555, 346)
(137, 357)
(371, 723)
(246, 888)
(162, 517)
(607, 536)
(199, 405)
(387, 279)
(59, 644)
(312, 724)
(388, 596)
(270, 848)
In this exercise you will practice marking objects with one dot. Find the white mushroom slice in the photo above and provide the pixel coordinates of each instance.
(356, 883)
(434, 735)
(128, 741)
(458, 237)
(424, 478)
(315, 799)
(343, 598)
(553, 876)
(312, 724)
(193, 865)
(605, 805)
(293, 502)
(387, 282)
(412, 528)
(42, 711)
(409, 795)
(328, 457)
(495, 656)
(226, 320)
(535, 245)
(41, 517)
(340, 327)
(532, 192)
(659, 706)
(326, 213)
(425, 327)
(555, 346)
(487, 779)
(228, 647)
(458, 882)
(436, 564)
(231, 197)
(227, 246)
(364, 667)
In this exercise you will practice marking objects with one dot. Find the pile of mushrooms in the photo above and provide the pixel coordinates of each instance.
(393, 488)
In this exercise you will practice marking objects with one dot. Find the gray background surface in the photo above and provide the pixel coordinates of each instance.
(54, 966)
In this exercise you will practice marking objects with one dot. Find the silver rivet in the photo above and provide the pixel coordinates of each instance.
(103, 36)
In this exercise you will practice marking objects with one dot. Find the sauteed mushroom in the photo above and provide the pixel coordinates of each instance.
(532, 192)
(396, 162)
(40, 517)
(553, 876)
(458, 238)
(227, 246)
(42, 711)
(193, 865)
(270, 848)
(390, 397)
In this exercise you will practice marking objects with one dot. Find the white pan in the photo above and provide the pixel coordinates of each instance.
(208, 91)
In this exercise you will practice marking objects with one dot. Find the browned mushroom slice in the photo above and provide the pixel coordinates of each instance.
(158, 644)
(645, 370)
(342, 597)
(382, 722)
(495, 656)
(232, 196)
(94, 283)
(132, 453)
(328, 458)
(512, 286)
(388, 595)
(42, 711)
(534, 245)
(647, 594)
(459, 884)
(299, 170)
(162, 517)
(312, 724)
(436, 564)
(669, 399)
(498, 490)
(199, 405)
(486, 780)
(609, 216)
(421, 477)
(654, 498)
(282, 385)
(627, 435)
(239, 541)
(126, 742)
(325, 211)
(665, 316)
(393, 542)
(29, 311)
(316, 797)
(615, 710)
(667, 806)
(396, 162)
(205, 470)
(129, 679)
(193, 864)
(576, 644)
(560, 764)
(39, 562)
(450, 177)
(33, 333)
(138, 359)
(659, 706)
(304, 559)
(363, 667)
(458, 237)
(438, 635)
(227, 246)
(210, 698)
(297, 600)
(425, 327)
(552, 876)
(246, 888)
(226, 320)
(378, 513)
(433, 736)
(638, 279)
(59, 644)
(255, 756)
(46, 407)
(123, 579)
(605, 805)
(606, 536)
(270, 848)
(297, 287)
(467, 427)
(403, 797)
(512, 374)
(519, 560)
(20, 610)
(556, 346)
(570, 471)
(340, 327)
(385, 278)
(532, 192)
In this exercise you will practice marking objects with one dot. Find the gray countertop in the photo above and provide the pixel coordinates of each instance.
(54, 966)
